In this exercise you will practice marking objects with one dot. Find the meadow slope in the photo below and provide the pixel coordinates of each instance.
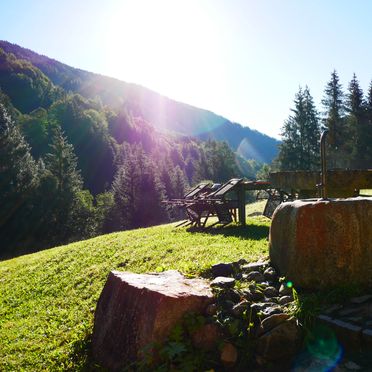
(47, 299)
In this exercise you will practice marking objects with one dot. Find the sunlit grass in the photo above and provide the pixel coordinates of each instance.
(47, 299)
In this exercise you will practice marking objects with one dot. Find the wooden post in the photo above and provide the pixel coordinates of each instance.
(241, 204)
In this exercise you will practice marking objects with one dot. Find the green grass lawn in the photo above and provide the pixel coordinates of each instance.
(47, 299)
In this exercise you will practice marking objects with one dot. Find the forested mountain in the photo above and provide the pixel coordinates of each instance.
(81, 155)
(163, 113)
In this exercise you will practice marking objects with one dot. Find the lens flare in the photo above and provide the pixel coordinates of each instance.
(323, 351)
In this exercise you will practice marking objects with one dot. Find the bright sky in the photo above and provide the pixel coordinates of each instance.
(243, 59)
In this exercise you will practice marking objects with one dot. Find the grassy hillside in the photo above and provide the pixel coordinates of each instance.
(47, 299)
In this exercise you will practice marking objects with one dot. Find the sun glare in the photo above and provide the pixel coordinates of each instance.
(165, 45)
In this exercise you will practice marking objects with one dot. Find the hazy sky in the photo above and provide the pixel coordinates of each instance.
(243, 59)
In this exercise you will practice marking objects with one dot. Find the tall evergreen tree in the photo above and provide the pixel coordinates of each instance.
(333, 120)
(311, 131)
(368, 133)
(300, 147)
(138, 192)
(64, 182)
(356, 121)
(18, 180)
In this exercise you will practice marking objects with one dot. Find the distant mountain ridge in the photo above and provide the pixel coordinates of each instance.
(163, 113)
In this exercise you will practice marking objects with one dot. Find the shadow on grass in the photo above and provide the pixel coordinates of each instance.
(81, 355)
(254, 232)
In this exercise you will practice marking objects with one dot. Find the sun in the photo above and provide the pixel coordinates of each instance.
(168, 46)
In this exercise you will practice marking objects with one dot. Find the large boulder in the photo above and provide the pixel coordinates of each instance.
(135, 311)
(322, 243)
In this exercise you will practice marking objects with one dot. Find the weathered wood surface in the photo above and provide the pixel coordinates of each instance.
(340, 183)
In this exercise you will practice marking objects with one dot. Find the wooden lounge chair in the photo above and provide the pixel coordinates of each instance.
(214, 204)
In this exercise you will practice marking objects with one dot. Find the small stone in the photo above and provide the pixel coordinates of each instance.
(254, 295)
(262, 306)
(238, 264)
(270, 274)
(255, 276)
(271, 322)
(271, 292)
(223, 282)
(352, 366)
(254, 266)
(222, 269)
(284, 290)
(284, 300)
(360, 299)
(244, 277)
(238, 275)
(232, 295)
(281, 342)
(229, 355)
(211, 309)
(207, 336)
(271, 311)
(239, 309)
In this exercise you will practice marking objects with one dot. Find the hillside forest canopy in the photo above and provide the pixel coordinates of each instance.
(80, 156)
(73, 168)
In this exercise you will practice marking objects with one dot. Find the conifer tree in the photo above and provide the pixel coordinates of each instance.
(18, 180)
(64, 182)
(356, 121)
(333, 120)
(179, 182)
(311, 132)
(368, 133)
(300, 147)
(138, 192)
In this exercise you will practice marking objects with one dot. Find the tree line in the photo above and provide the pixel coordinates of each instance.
(72, 167)
(44, 194)
(346, 115)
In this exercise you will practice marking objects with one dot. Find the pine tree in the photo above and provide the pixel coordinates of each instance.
(300, 147)
(64, 182)
(18, 180)
(333, 120)
(179, 182)
(138, 192)
(62, 163)
(311, 132)
(368, 130)
(356, 123)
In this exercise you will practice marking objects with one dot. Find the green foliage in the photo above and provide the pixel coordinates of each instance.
(138, 192)
(86, 128)
(300, 147)
(18, 175)
(157, 166)
(35, 127)
(69, 210)
(26, 86)
(333, 120)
